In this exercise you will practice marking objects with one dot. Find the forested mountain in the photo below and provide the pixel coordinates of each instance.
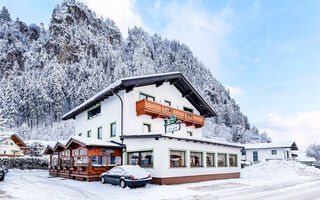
(44, 73)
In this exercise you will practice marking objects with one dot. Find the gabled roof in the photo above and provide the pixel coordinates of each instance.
(17, 140)
(287, 144)
(48, 150)
(87, 142)
(175, 78)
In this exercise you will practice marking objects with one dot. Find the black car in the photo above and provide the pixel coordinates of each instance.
(3, 172)
(126, 175)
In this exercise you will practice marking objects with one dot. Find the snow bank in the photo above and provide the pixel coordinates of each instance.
(270, 172)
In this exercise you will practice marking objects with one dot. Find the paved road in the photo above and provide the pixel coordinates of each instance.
(37, 185)
(304, 190)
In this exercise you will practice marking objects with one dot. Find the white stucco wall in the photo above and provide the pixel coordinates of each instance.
(110, 112)
(161, 159)
(10, 147)
(133, 124)
(265, 154)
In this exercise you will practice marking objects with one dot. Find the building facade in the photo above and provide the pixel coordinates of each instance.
(268, 151)
(133, 111)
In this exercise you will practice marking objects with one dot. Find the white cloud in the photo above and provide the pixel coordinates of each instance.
(234, 91)
(303, 128)
(122, 12)
(205, 33)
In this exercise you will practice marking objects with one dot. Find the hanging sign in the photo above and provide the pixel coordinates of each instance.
(172, 119)
(173, 127)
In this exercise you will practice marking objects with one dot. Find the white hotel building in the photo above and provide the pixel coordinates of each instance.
(132, 111)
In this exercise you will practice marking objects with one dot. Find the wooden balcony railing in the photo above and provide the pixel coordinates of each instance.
(156, 110)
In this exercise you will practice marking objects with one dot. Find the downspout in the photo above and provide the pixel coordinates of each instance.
(121, 115)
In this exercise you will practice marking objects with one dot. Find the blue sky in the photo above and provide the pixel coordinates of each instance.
(266, 52)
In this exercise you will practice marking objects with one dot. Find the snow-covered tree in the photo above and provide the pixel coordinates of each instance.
(314, 151)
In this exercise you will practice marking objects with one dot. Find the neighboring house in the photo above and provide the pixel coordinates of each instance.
(131, 111)
(268, 151)
(11, 145)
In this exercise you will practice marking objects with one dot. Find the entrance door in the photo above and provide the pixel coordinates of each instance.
(255, 156)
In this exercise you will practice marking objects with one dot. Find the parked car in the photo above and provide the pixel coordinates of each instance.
(2, 173)
(126, 175)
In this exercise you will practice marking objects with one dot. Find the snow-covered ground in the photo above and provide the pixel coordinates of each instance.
(267, 180)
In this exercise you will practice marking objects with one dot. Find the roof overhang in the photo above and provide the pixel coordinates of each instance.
(176, 78)
(59, 147)
(48, 150)
(158, 136)
(17, 140)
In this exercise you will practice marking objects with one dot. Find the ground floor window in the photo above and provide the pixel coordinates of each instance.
(233, 160)
(114, 160)
(177, 158)
(196, 159)
(222, 160)
(142, 158)
(210, 160)
(98, 160)
(274, 152)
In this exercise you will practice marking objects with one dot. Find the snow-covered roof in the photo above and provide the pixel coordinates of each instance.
(14, 137)
(202, 140)
(94, 142)
(287, 144)
(180, 82)
(5, 135)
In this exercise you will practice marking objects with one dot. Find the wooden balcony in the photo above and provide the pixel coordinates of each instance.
(156, 110)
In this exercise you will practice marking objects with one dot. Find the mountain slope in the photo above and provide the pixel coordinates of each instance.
(45, 73)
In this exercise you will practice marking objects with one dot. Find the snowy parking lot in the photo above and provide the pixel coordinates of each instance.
(267, 180)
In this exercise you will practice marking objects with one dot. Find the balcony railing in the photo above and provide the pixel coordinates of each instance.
(156, 110)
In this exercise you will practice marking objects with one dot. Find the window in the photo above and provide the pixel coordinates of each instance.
(222, 160)
(210, 160)
(11, 143)
(80, 134)
(233, 162)
(146, 159)
(100, 133)
(177, 158)
(145, 96)
(94, 111)
(113, 129)
(188, 109)
(167, 103)
(89, 133)
(114, 160)
(146, 128)
(196, 159)
(274, 152)
(142, 158)
(99, 160)
(189, 133)
(243, 153)
(4, 152)
(133, 158)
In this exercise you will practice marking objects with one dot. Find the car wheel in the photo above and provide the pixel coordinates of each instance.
(122, 183)
(1, 179)
(102, 180)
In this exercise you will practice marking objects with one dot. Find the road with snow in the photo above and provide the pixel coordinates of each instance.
(271, 180)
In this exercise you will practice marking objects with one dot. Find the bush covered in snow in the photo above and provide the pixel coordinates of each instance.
(314, 151)
(25, 163)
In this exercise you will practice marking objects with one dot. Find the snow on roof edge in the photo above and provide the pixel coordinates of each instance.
(111, 86)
